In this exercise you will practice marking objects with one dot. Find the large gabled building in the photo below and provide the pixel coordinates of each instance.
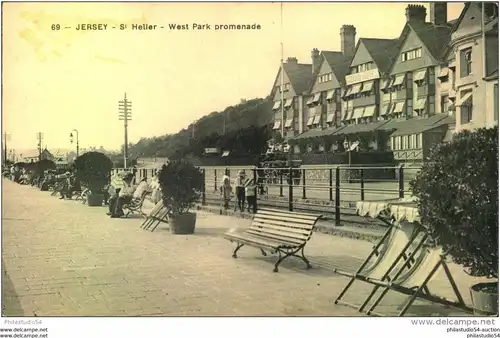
(297, 78)
(472, 56)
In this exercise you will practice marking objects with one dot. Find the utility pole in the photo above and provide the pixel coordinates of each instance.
(6, 137)
(39, 137)
(125, 115)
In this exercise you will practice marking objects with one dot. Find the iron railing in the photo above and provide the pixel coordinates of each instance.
(333, 190)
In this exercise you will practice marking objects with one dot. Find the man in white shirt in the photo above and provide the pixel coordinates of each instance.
(141, 189)
(124, 196)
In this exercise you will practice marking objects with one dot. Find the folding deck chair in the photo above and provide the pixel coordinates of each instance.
(386, 254)
(414, 281)
(158, 214)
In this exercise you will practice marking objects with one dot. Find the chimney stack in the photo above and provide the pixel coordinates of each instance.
(316, 60)
(416, 13)
(292, 60)
(348, 39)
(438, 12)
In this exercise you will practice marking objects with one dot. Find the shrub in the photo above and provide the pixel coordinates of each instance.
(181, 184)
(457, 191)
(93, 170)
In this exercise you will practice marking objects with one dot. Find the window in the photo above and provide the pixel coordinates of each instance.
(466, 106)
(411, 54)
(361, 68)
(397, 143)
(495, 102)
(418, 141)
(465, 62)
(411, 141)
(386, 97)
(445, 104)
(325, 78)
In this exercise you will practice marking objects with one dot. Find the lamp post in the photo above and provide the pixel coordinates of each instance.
(77, 141)
(347, 147)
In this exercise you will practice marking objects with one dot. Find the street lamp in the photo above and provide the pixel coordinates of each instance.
(77, 141)
(347, 147)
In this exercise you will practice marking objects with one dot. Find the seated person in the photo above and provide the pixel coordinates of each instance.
(72, 184)
(141, 189)
(124, 196)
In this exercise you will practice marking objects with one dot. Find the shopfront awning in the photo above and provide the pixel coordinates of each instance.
(329, 94)
(367, 87)
(226, 153)
(386, 84)
(277, 125)
(398, 80)
(358, 112)
(277, 105)
(347, 114)
(369, 111)
(317, 119)
(420, 104)
(399, 107)
(316, 97)
(288, 123)
(330, 117)
(420, 75)
(288, 103)
(443, 73)
(348, 91)
(310, 121)
(386, 109)
(359, 128)
(356, 88)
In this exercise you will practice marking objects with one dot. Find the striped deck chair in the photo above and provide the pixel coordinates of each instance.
(158, 214)
(413, 282)
(380, 264)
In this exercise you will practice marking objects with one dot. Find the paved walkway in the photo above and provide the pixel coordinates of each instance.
(65, 258)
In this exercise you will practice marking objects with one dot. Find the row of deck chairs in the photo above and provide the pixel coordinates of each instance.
(402, 261)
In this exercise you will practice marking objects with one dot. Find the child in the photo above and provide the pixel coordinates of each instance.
(226, 191)
(251, 194)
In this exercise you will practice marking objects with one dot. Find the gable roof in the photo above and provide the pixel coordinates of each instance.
(339, 63)
(434, 38)
(299, 74)
(383, 51)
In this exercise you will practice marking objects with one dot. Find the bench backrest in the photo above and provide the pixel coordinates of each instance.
(293, 227)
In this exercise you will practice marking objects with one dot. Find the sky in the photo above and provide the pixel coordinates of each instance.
(55, 81)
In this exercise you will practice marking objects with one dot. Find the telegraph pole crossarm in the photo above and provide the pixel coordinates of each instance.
(125, 115)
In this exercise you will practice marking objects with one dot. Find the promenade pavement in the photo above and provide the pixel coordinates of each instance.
(63, 258)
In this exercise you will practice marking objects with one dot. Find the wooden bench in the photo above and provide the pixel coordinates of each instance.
(284, 232)
(135, 206)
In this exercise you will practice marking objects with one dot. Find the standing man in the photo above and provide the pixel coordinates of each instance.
(239, 184)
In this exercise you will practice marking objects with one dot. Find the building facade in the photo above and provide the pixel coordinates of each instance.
(402, 95)
(473, 52)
